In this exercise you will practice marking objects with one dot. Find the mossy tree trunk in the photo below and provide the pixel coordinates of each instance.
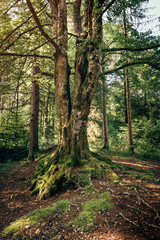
(72, 119)
(72, 115)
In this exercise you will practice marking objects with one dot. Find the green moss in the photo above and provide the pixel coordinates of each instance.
(36, 216)
(84, 162)
(54, 172)
(97, 205)
(115, 176)
(86, 218)
(83, 180)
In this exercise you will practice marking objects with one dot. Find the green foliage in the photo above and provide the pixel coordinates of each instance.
(147, 138)
(13, 131)
(36, 216)
(11, 166)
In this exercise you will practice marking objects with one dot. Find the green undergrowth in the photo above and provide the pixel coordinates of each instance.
(137, 157)
(11, 166)
(55, 172)
(36, 216)
(98, 203)
(149, 176)
(136, 172)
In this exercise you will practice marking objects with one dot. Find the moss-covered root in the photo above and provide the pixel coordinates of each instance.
(50, 174)
(54, 171)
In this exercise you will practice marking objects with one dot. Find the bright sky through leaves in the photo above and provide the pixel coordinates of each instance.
(151, 21)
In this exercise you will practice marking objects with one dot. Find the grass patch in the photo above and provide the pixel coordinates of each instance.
(36, 216)
(87, 217)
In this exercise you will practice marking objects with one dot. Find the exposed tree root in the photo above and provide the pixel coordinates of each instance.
(137, 210)
(141, 200)
(120, 214)
(57, 170)
(153, 209)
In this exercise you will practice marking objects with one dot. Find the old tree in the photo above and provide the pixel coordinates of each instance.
(72, 115)
(73, 96)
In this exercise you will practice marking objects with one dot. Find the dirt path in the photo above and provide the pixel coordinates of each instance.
(135, 216)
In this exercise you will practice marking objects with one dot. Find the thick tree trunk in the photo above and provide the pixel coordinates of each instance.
(72, 119)
(33, 136)
(72, 130)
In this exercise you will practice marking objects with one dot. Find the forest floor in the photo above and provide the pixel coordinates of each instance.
(135, 215)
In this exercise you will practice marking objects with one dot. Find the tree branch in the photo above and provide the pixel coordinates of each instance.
(20, 26)
(24, 55)
(10, 7)
(131, 64)
(108, 6)
(40, 26)
(130, 49)
(47, 74)
(29, 30)
(32, 50)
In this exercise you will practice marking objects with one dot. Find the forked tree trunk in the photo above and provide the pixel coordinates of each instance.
(33, 135)
(72, 120)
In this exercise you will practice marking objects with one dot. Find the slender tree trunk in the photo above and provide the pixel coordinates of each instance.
(33, 137)
(2, 103)
(150, 113)
(45, 127)
(52, 119)
(129, 114)
(125, 103)
(105, 125)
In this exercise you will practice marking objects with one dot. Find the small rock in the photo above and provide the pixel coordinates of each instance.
(37, 231)
(43, 224)
(27, 226)
(57, 237)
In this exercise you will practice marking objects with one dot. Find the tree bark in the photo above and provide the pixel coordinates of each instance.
(77, 17)
(72, 130)
(33, 136)
(125, 103)
(129, 114)
(45, 127)
(105, 124)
